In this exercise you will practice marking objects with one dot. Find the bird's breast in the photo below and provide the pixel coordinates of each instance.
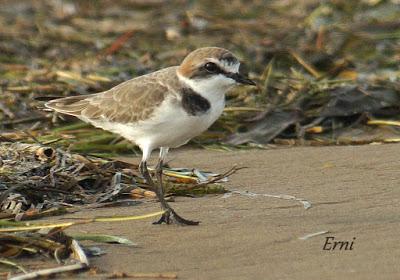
(193, 103)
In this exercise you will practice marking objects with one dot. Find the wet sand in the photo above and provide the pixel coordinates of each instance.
(354, 192)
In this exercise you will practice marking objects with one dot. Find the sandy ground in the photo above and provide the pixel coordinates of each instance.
(354, 192)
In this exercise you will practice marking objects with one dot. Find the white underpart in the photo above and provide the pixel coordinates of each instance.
(170, 125)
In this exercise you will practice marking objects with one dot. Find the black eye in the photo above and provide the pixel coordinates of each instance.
(211, 67)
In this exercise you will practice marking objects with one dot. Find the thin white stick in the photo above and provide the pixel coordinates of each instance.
(78, 255)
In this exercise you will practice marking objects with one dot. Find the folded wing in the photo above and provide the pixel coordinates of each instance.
(129, 102)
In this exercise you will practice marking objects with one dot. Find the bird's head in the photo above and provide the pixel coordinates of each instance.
(211, 69)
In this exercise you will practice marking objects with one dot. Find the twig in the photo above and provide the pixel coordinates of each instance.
(231, 171)
(243, 109)
(78, 255)
(84, 221)
(24, 120)
(13, 264)
(30, 135)
(307, 236)
(119, 42)
(383, 122)
(6, 139)
(305, 64)
(306, 204)
(143, 275)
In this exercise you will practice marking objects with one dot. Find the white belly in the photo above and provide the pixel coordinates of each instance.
(169, 126)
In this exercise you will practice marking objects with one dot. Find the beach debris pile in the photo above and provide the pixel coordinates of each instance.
(54, 243)
(37, 181)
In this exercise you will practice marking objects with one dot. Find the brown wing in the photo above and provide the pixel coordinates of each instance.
(130, 101)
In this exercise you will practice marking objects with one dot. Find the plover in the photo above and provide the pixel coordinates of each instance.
(163, 109)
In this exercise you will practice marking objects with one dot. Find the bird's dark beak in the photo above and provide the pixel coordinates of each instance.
(241, 79)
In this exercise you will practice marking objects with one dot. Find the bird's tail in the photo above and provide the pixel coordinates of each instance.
(72, 105)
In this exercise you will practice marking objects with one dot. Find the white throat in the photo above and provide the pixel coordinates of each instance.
(212, 88)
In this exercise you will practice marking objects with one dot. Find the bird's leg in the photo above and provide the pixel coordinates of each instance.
(159, 171)
(146, 174)
(170, 215)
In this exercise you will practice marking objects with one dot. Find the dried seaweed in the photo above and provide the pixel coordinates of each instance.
(52, 244)
(22, 239)
(39, 181)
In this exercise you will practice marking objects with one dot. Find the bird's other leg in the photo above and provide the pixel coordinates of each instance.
(170, 215)
(154, 187)
(159, 166)
(146, 175)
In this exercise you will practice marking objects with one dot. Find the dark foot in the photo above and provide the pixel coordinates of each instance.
(170, 217)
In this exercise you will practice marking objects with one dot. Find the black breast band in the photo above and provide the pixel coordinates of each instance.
(193, 103)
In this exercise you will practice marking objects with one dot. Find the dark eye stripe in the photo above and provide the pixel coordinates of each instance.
(201, 73)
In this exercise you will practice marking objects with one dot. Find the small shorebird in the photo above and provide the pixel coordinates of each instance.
(163, 109)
